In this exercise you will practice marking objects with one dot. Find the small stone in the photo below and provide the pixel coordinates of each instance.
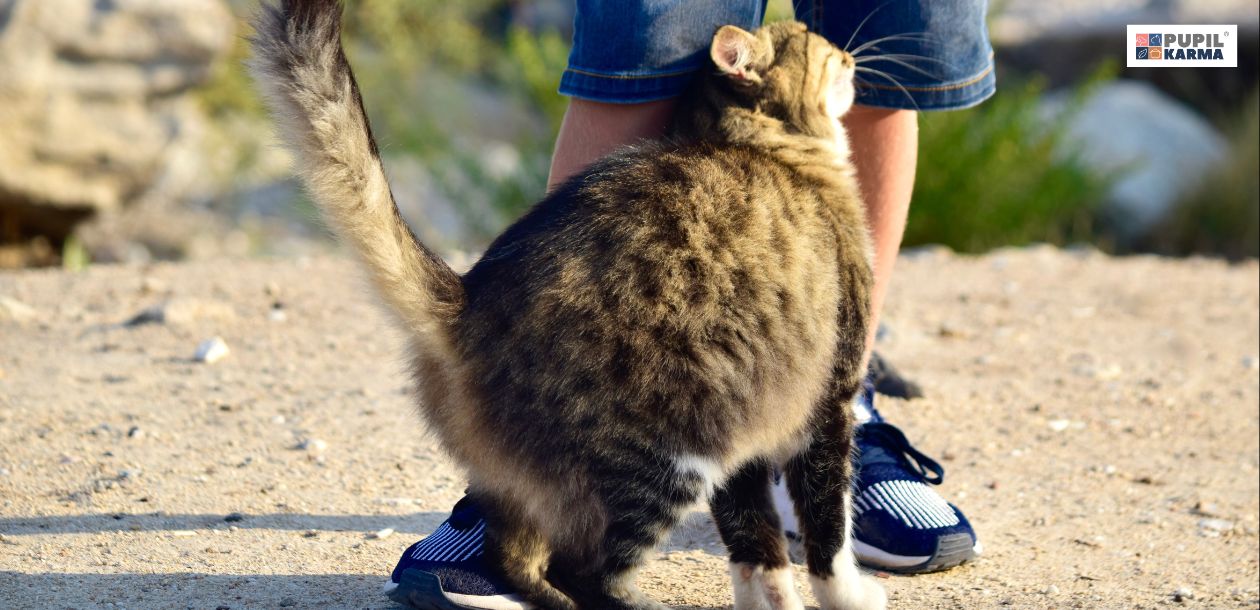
(135, 432)
(288, 602)
(183, 533)
(278, 419)
(314, 445)
(131, 473)
(277, 314)
(234, 517)
(1051, 590)
(1212, 528)
(310, 534)
(182, 311)
(150, 285)
(211, 350)
(1183, 594)
(14, 310)
(1059, 425)
(1206, 509)
(382, 534)
(950, 331)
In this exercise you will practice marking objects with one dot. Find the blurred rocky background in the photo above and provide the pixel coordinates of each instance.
(129, 131)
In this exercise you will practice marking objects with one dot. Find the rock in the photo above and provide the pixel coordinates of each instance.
(1059, 425)
(382, 534)
(135, 432)
(314, 445)
(1183, 594)
(98, 105)
(182, 311)
(1206, 509)
(1117, 127)
(1212, 528)
(234, 518)
(211, 350)
(1051, 590)
(152, 285)
(13, 310)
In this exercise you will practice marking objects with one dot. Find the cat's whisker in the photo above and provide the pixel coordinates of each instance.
(890, 79)
(893, 59)
(902, 56)
(922, 37)
(859, 27)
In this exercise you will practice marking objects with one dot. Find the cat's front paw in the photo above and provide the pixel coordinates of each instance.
(759, 588)
(854, 592)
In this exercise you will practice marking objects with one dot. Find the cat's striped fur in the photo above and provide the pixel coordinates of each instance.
(666, 327)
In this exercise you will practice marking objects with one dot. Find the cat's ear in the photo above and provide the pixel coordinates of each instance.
(733, 52)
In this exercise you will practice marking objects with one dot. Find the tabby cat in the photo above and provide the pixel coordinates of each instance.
(670, 326)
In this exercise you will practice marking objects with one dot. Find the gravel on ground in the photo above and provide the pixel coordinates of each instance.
(239, 435)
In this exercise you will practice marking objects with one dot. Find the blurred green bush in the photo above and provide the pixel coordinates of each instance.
(996, 175)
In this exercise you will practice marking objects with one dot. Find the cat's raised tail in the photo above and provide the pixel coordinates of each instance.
(302, 70)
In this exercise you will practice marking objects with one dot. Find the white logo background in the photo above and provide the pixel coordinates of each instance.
(1226, 34)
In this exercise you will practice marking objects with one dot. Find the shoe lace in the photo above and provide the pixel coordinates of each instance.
(892, 440)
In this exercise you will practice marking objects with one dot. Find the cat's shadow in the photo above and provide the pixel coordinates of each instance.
(696, 532)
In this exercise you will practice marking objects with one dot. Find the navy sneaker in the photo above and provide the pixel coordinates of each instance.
(900, 524)
(447, 569)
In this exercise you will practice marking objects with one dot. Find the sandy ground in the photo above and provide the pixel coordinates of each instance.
(1098, 419)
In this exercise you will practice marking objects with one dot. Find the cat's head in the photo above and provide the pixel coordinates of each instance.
(786, 72)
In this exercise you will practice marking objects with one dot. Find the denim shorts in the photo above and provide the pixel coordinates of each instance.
(926, 54)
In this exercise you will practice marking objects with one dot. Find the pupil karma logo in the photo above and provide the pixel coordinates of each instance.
(1161, 46)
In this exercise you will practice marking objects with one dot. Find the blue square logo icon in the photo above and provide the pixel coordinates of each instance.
(1156, 40)
(1142, 52)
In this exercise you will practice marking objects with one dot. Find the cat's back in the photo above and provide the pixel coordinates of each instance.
(659, 231)
(658, 264)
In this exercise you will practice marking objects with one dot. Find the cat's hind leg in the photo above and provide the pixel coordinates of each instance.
(746, 519)
(819, 481)
(644, 495)
(517, 548)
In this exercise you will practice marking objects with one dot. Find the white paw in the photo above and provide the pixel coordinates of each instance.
(855, 592)
(757, 588)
